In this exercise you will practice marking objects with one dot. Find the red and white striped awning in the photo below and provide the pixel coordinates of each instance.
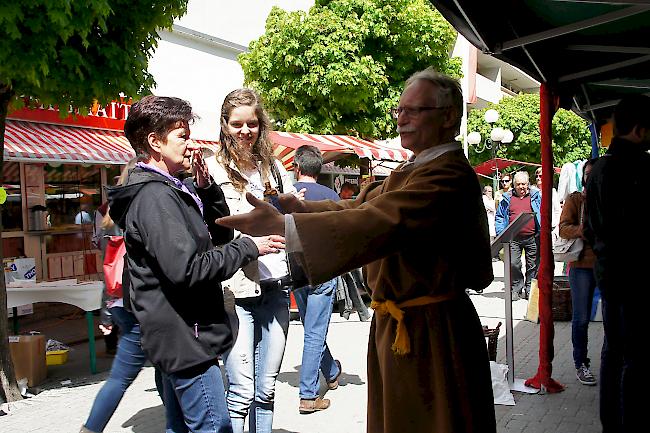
(41, 142)
(332, 146)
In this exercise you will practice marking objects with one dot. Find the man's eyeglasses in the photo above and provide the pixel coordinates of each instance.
(413, 111)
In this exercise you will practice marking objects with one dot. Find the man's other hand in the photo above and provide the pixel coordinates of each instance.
(263, 220)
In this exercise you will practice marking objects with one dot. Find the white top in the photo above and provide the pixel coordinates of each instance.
(490, 210)
(270, 265)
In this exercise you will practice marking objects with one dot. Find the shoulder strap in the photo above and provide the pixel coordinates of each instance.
(276, 175)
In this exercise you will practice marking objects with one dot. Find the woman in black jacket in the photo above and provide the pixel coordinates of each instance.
(174, 266)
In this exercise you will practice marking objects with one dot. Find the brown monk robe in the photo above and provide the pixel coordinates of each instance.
(422, 232)
(423, 236)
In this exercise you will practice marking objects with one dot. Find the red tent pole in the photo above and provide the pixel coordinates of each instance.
(543, 380)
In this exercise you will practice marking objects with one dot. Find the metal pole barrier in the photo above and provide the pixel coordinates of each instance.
(507, 278)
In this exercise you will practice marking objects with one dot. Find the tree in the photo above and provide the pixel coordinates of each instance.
(520, 114)
(340, 68)
(69, 53)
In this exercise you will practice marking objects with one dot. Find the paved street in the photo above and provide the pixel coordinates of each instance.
(63, 408)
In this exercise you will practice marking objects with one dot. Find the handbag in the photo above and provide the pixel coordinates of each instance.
(568, 250)
(296, 272)
(114, 265)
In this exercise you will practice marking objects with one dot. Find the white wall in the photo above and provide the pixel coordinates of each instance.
(238, 21)
(198, 60)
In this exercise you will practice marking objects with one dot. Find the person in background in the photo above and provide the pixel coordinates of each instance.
(348, 191)
(506, 185)
(581, 279)
(556, 205)
(260, 321)
(617, 228)
(315, 303)
(174, 264)
(102, 229)
(522, 199)
(490, 209)
(83, 216)
(427, 369)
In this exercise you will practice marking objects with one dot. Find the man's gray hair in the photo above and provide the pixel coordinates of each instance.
(449, 91)
(521, 176)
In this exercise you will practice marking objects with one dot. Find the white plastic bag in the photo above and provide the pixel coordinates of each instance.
(500, 388)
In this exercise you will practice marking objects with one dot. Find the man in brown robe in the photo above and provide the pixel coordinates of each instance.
(423, 238)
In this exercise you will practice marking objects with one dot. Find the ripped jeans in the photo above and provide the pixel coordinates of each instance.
(253, 363)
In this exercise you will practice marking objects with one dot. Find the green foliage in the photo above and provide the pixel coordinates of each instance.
(339, 68)
(520, 114)
(69, 52)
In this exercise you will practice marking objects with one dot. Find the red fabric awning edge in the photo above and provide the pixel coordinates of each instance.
(487, 168)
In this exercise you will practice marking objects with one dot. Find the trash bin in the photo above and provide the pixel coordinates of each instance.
(562, 309)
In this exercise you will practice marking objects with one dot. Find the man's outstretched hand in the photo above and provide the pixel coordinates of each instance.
(264, 220)
(293, 203)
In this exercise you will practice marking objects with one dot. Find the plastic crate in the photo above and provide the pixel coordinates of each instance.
(56, 357)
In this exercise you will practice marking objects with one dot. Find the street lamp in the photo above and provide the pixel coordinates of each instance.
(497, 137)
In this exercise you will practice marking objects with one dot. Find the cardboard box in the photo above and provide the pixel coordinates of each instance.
(20, 269)
(28, 355)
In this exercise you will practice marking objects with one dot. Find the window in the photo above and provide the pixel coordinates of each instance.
(12, 213)
(72, 193)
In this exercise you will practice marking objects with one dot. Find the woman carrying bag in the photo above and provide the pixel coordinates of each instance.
(581, 279)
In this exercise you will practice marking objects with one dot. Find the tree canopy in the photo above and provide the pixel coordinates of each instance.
(520, 114)
(339, 68)
(69, 53)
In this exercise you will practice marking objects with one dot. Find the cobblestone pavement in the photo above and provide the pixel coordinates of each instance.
(63, 408)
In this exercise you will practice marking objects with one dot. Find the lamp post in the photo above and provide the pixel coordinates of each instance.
(497, 137)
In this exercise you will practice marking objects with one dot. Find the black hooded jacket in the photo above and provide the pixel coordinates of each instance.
(175, 268)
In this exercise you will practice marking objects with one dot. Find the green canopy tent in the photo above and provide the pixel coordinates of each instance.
(587, 54)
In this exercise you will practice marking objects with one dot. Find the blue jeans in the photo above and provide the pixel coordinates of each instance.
(253, 363)
(315, 308)
(128, 362)
(583, 283)
(195, 401)
(622, 368)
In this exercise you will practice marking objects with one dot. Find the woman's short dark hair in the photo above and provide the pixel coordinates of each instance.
(309, 160)
(157, 114)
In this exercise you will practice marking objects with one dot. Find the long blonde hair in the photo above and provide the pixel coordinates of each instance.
(231, 152)
(107, 221)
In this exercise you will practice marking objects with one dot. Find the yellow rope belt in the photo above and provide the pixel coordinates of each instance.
(402, 344)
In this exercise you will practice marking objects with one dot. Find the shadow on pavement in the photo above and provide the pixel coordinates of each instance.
(292, 378)
(499, 295)
(147, 420)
